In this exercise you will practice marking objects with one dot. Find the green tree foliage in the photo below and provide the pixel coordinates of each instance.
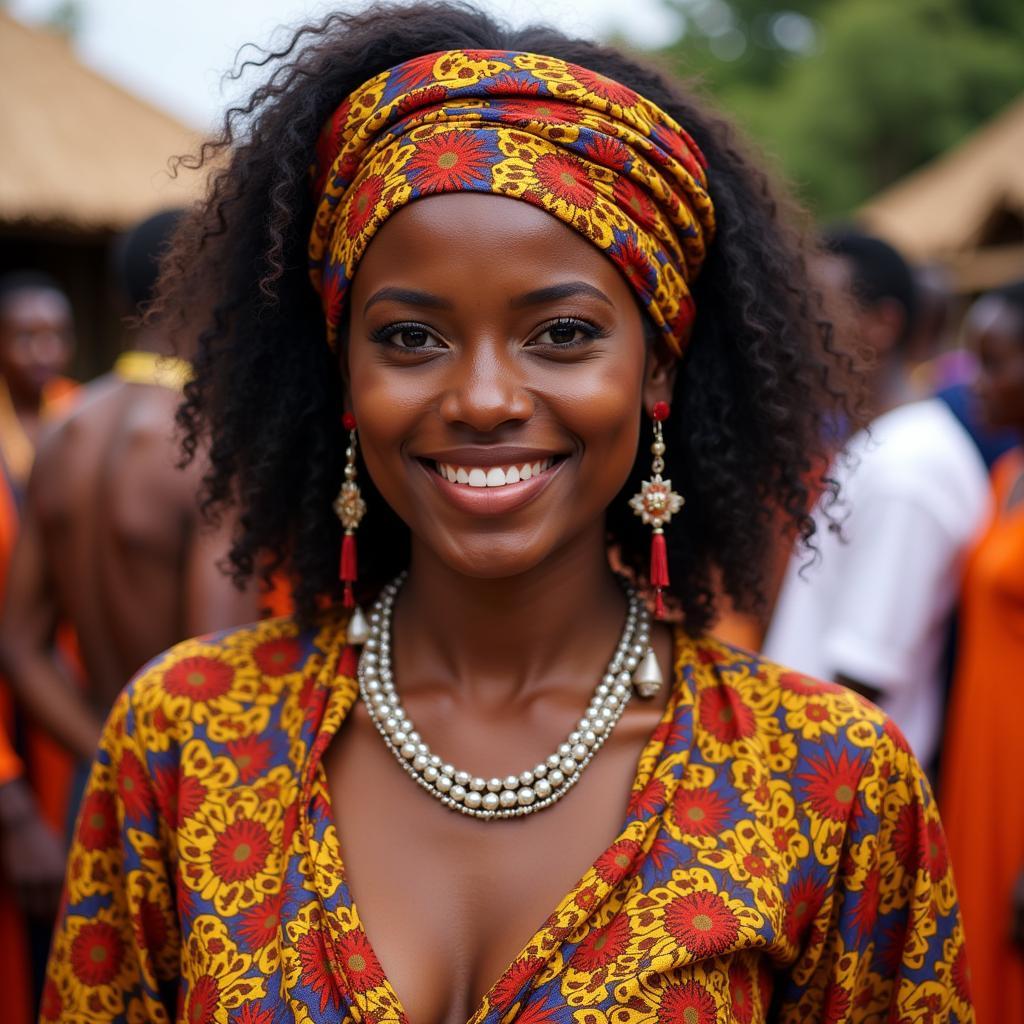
(849, 95)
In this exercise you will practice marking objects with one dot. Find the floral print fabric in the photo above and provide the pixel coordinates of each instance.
(589, 151)
(780, 859)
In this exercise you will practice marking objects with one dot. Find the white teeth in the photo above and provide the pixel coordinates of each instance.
(492, 476)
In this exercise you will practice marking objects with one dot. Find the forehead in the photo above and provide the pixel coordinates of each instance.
(476, 236)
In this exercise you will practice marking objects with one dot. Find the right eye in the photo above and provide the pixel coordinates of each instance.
(409, 337)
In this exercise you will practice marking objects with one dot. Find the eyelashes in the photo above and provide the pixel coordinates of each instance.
(558, 335)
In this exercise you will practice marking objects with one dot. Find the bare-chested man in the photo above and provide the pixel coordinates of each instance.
(111, 541)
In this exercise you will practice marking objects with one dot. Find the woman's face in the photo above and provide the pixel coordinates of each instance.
(995, 333)
(490, 343)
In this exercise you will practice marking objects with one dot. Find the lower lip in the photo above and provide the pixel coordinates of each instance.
(493, 501)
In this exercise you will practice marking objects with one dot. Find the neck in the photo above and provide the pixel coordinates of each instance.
(561, 619)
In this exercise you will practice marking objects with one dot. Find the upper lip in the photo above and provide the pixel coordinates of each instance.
(490, 455)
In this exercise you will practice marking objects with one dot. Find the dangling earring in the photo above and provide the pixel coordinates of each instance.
(655, 505)
(350, 509)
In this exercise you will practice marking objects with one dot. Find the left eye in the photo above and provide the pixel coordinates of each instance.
(564, 333)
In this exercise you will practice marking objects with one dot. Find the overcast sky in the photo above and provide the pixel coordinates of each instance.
(175, 52)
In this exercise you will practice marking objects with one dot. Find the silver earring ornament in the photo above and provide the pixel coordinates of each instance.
(655, 505)
(350, 509)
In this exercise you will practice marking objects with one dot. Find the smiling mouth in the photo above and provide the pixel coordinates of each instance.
(492, 476)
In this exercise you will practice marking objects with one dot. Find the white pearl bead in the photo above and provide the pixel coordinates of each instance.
(568, 765)
(542, 788)
(494, 785)
(574, 737)
(539, 771)
(526, 779)
(400, 737)
(473, 800)
(599, 725)
(408, 751)
(511, 782)
(435, 760)
(449, 770)
(478, 785)
(508, 798)
(564, 749)
(463, 778)
(526, 796)
(590, 737)
(444, 783)
(552, 761)
(491, 802)
(556, 778)
(579, 751)
(457, 793)
(420, 763)
(430, 773)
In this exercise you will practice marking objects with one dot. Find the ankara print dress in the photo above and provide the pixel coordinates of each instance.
(780, 859)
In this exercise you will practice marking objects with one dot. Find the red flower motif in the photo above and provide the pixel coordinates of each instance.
(421, 99)
(251, 756)
(803, 901)
(565, 177)
(608, 152)
(96, 953)
(150, 925)
(51, 1005)
(689, 1003)
(259, 924)
(507, 84)
(635, 202)
(700, 812)
(837, 1005)
(603, 945)
(512, 981)
(865, 913)
(830, 784)
(741, 993)
(634, 264)
(645, 802)
(724, 714)
(961, 975)
(251, 1015)
(363, 204)
(240, 851)
(613, 864)
(318, 971)
(200, 679)
(449, 162)
(132, 785)
(908, 837)
(203, 998)
(702, 922)
(805, 686)
(936, 855)
(544, 110)
(606, 88)
(360, 962)
(278, 657)
(97, 822)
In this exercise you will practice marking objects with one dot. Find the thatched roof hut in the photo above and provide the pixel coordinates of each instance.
(964, 210)
(82, 159)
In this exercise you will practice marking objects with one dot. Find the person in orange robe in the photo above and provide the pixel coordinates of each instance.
(981, 804)
(36, 342)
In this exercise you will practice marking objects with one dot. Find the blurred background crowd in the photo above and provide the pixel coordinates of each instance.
(901, 128)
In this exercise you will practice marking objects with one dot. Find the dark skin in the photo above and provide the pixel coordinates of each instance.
(36, 341)
(507, 620)
(995, 333)
(112, 543)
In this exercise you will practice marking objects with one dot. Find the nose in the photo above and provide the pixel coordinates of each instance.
(486, 390)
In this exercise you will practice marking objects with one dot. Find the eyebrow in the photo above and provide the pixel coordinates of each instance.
(408, 296)
(559, 291)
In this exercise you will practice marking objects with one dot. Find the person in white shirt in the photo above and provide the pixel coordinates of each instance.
(872, 610)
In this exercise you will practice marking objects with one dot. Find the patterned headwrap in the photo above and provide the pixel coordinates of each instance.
(583, 147)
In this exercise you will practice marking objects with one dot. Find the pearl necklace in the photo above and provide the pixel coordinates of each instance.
(530, 791)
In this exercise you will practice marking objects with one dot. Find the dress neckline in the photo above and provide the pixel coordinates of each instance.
(340, 690)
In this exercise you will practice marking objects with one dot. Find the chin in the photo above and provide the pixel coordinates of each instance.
(490, 557)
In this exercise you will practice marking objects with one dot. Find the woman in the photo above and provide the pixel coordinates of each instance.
(496, 370)
(980, 760)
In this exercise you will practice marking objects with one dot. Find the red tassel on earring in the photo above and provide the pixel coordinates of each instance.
(659, 572)
(348, 570)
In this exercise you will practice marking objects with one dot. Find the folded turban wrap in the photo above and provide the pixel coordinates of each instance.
(588, 150)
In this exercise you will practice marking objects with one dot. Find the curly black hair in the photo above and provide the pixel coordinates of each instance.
(754, 396)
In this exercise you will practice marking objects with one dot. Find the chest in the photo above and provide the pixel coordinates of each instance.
(447, 901)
